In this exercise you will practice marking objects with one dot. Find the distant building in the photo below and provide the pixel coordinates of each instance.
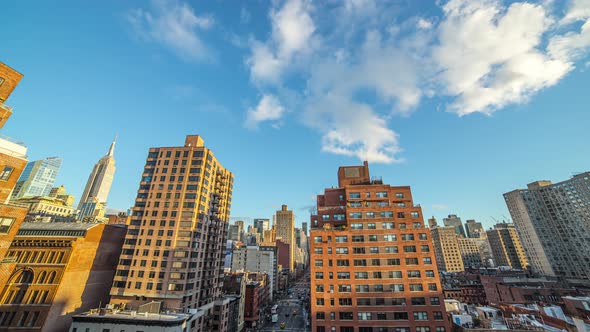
(474, 229)
(553, 223)
(94, 198)
(285, 230)
(454, 221)
(506, 246)
(57, 270)
(432, 222)
(446, 249)
(470, 252)
(304, 228)
(261, 225)
(38, 178)
(257, 259)
(46, 209)
(234, 284)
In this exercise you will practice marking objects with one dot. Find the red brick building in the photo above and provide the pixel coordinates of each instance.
(372, 262)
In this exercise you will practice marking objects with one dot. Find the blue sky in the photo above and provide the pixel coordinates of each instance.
(462, 100)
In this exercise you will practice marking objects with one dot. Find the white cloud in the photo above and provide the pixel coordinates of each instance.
(424, 24)
(245, 16)
(292, 29)
(361, 69)
(491, 56)
(440, 207)
(173, 24)
(268, 109)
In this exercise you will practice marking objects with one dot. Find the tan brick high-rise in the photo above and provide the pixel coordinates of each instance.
(506, 246)
(446, 249)
(173, 251)
(372, 263)
(285, 229)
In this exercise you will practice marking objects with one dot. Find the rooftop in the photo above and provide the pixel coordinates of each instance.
(132, 317)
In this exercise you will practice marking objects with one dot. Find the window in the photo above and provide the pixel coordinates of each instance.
(342, 262)
(358, 250)
(345, 301)
(440, 329)
(409, 248)
(424, 248)
(422, 329)
(408, 237)
(414, 214)
(391, 250)
(7, 170)
(429, 273)
(343, 275)
(386, 214)
(355, 215)
(371, 226)
(362, 288)
(413, 274)
(5, 224)
(422, 236)
(342, 250)
(381, 194)
(319, 301)
(437, 315)
(341, 239)
(434, 300)
(427, 260)
(398, 301)
(357, 226)
(393, 261)
(399, 195)
(354, 195)
(420, 315)
(319, 263)
(339, 217)
(344, 288)
(432, 287)
(417, 225)
(358, 238)
(319, 288)
(356, 204)
(320, 315)
(396, 287)
(389, 237)
(360, 262)
(418, 301)
(400, 316)
(376, 262)
(364, 315)
(395, 274)
(416, 288)
(361, 275)
(370, 214)
(317, 239)
(317, 250)
(387, 225)
(363, 301)
(374, 250)
(372, 238)
(319, 275)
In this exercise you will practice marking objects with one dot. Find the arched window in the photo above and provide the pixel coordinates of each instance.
(51, 277)
(26, 277)
(41, 278)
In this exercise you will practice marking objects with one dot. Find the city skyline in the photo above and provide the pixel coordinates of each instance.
(448, 159)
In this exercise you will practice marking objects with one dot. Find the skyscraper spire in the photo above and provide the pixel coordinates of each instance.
(112, 148)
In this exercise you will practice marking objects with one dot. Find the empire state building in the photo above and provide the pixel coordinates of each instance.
(94, 198)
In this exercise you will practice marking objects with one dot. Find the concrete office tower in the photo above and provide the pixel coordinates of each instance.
(99, 184)
(257, 259)
(174, 248)
(372, 263)
(553, 221)
(304, 228)
(474, 229)
(261, 225)
(506, 246)
(286, 231)
(446, 249)
(38, 178)
(57, 270)
(453, 220)
(234, 233)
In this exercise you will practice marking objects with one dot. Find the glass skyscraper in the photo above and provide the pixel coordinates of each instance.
(38, 178)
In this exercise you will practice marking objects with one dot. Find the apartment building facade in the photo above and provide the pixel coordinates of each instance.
(372, 262)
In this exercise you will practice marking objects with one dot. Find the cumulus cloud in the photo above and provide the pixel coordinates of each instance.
(292, 29)
(360, 72)
(440, 207)
(269, 108)
(174, 25)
